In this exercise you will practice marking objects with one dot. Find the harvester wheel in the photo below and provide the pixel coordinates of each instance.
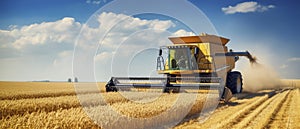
(234, 82)
(175, 89)
(166, 90)
(171, 89)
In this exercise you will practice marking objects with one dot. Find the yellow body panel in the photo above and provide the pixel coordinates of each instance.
(202, 38)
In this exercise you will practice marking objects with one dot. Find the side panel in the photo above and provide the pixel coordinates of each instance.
(230, 61)
(204, 60)
(209, 50)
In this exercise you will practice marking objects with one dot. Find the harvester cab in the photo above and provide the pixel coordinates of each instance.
(191, 62)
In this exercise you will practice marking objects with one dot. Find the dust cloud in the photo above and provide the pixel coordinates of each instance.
(259, 77)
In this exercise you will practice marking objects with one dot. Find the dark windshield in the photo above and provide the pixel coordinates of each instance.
(180, 58)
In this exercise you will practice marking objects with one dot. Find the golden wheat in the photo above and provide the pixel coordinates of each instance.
(70, 118)
(21, 106)
(169, 109)
(48, 105)
(23, 90)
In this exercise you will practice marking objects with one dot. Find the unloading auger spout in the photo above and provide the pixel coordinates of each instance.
(251, 58)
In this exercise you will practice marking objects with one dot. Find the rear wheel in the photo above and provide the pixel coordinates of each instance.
(234, 82)
(171, 89)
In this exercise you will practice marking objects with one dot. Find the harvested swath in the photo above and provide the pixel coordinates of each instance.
(227, 114)
(269, 111)
(288, 114)
(259, 117)
(71, 118)
(293, 112)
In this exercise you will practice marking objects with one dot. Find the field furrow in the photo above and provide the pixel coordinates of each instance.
(279, 118)
(228, 115)
(288, 116)
(259, 117)
(293, 114)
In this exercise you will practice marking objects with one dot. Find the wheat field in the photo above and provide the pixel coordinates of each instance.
(59, 105)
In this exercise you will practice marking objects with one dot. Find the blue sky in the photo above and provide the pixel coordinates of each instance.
(37, 37)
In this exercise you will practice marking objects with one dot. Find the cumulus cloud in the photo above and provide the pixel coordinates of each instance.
(246, 7)
(116, 28)
(96, 2)
(38, 51)
(57, 36)
(294, 59)
(53, 42)
(284, 66)
(182, 32)
(290, 67)
(59, 32)
(290, 61)
(119, 29)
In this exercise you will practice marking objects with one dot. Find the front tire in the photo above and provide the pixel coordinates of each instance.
(234, 82)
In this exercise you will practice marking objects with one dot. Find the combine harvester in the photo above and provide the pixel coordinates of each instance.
(192, 62)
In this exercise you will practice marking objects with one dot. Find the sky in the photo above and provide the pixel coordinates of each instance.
(96, 39)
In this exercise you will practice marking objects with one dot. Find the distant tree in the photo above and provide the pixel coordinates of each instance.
(69, 80)
(75, 79)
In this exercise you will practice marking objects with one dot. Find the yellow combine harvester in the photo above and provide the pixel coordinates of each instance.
(192, 62)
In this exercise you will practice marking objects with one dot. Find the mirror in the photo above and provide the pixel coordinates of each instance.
(160, 52)
(196, 51)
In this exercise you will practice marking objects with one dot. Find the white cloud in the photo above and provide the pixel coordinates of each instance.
(294, 59)
(182, 32)
(38, 51)
(104, 56)
(119, 28)
(246, 7)
(124, 22)
(59, 32)
(63, 60)
(129, 34)
(284, 66)
(52, 42)
(96, 2)
(290, 68)
(290, 62)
